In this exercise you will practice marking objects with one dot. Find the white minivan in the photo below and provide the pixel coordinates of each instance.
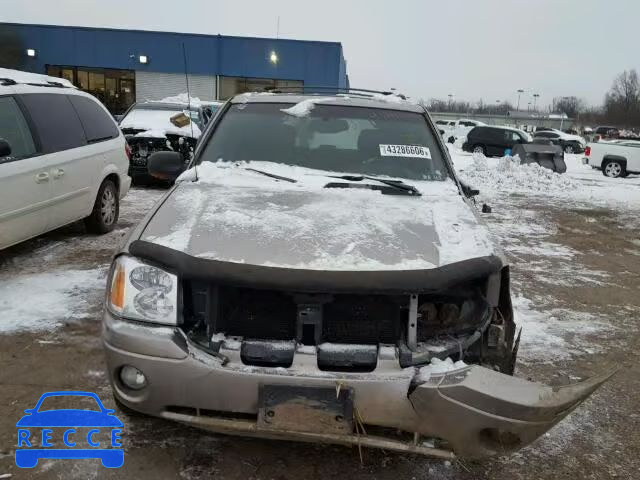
(62, 158)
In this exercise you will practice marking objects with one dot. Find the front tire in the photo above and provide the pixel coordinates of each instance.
(106, 209)
(613, 169)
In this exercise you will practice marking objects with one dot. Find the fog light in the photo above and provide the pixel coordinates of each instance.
(132, 377)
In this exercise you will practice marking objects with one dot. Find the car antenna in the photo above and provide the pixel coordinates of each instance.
(186, 77)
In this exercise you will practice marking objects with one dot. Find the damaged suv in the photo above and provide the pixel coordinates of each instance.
(166, 125)
(321, 274)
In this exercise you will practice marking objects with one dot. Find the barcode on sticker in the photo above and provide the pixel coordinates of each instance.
(415, 151)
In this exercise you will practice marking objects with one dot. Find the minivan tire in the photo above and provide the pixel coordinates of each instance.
(106, 209)
(613, 169)
(479, 149)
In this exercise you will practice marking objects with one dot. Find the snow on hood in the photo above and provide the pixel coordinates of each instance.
(156, 123)
(28, 77)
(236, 215)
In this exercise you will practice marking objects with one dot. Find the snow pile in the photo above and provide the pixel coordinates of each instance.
(44, 300)
(510, 176)
(438, 366)
(27, 77)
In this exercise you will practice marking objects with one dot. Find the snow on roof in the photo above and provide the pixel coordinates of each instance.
(28, 77)
(156, 123)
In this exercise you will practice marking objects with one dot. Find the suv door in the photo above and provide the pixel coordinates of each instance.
(70, 163)
(24, 181)
(495, 141)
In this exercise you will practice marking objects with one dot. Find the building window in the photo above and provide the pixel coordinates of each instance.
(230, 86)
(116, 89)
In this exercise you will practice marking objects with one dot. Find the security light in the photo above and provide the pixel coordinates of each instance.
(273, 57)
(143, 59)
(31, 52)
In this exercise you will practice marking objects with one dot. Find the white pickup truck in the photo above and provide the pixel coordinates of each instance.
(454, 130)
(617, 158)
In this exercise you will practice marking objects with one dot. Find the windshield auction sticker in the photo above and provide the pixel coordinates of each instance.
(414, 151)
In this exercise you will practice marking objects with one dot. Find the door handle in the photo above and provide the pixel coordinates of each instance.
(42, 177)
(57, 173)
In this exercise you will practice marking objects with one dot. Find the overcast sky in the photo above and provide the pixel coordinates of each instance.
(469, 48)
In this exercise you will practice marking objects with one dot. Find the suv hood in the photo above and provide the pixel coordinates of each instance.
(237, 215)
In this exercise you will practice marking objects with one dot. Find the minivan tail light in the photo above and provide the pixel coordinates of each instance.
(587, 151)
(127, 150)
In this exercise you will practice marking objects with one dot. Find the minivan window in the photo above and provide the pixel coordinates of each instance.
(336, 138)
(56, 122)
(98, 124)
(14, 129)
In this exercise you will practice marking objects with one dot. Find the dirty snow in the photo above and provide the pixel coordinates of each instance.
(42, 301)
(240, 216)
(544, 332)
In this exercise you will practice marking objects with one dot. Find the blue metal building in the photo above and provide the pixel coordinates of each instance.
(122, 66)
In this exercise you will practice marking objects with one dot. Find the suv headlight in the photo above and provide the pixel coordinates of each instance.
(142, 292)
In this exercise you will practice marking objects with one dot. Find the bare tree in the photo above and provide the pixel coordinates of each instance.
(572, 106)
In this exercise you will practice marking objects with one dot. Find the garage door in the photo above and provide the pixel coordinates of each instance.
(156, 86)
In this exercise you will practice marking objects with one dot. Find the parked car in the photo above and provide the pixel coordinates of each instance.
(323, 251)
(148, 128)
(569, 143)
(615, 159)
(62, 158)
(494, 141)
(459, 129)
(606, 132)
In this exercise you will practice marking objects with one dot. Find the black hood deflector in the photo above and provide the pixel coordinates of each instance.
(300, 280)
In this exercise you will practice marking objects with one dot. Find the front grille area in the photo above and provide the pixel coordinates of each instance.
(277, 315)
(260, 314)
(362, 319)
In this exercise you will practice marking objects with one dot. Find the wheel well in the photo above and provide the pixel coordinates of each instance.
(114, 178)
(622, 160)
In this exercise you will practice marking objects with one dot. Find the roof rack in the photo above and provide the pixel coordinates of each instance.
(357, 91)
(10, 81)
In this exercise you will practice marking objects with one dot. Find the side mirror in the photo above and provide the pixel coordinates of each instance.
(469, 191)
(5, 148)
(165, 165)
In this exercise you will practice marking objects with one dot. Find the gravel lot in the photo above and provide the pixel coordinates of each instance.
(575, 250)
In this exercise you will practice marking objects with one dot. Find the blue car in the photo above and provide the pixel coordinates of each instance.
(68, 419)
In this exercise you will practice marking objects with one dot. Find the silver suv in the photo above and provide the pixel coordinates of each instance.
(320, 273)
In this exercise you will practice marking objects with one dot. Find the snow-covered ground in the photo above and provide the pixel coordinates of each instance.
(526, 200)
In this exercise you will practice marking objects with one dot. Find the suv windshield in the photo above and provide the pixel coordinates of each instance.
(369, 141)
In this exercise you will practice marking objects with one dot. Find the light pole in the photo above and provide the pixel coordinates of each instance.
(520, 92)
(529, 107)
(450, 98)
(535, 100)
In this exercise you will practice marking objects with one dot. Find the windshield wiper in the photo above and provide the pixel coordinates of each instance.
(397, 184)
(272, 175)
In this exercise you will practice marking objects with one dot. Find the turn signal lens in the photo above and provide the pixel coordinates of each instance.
(117, 288)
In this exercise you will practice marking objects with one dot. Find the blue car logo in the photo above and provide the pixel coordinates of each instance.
(67, 422)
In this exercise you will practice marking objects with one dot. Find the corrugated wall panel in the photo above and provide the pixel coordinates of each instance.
(156, 86)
